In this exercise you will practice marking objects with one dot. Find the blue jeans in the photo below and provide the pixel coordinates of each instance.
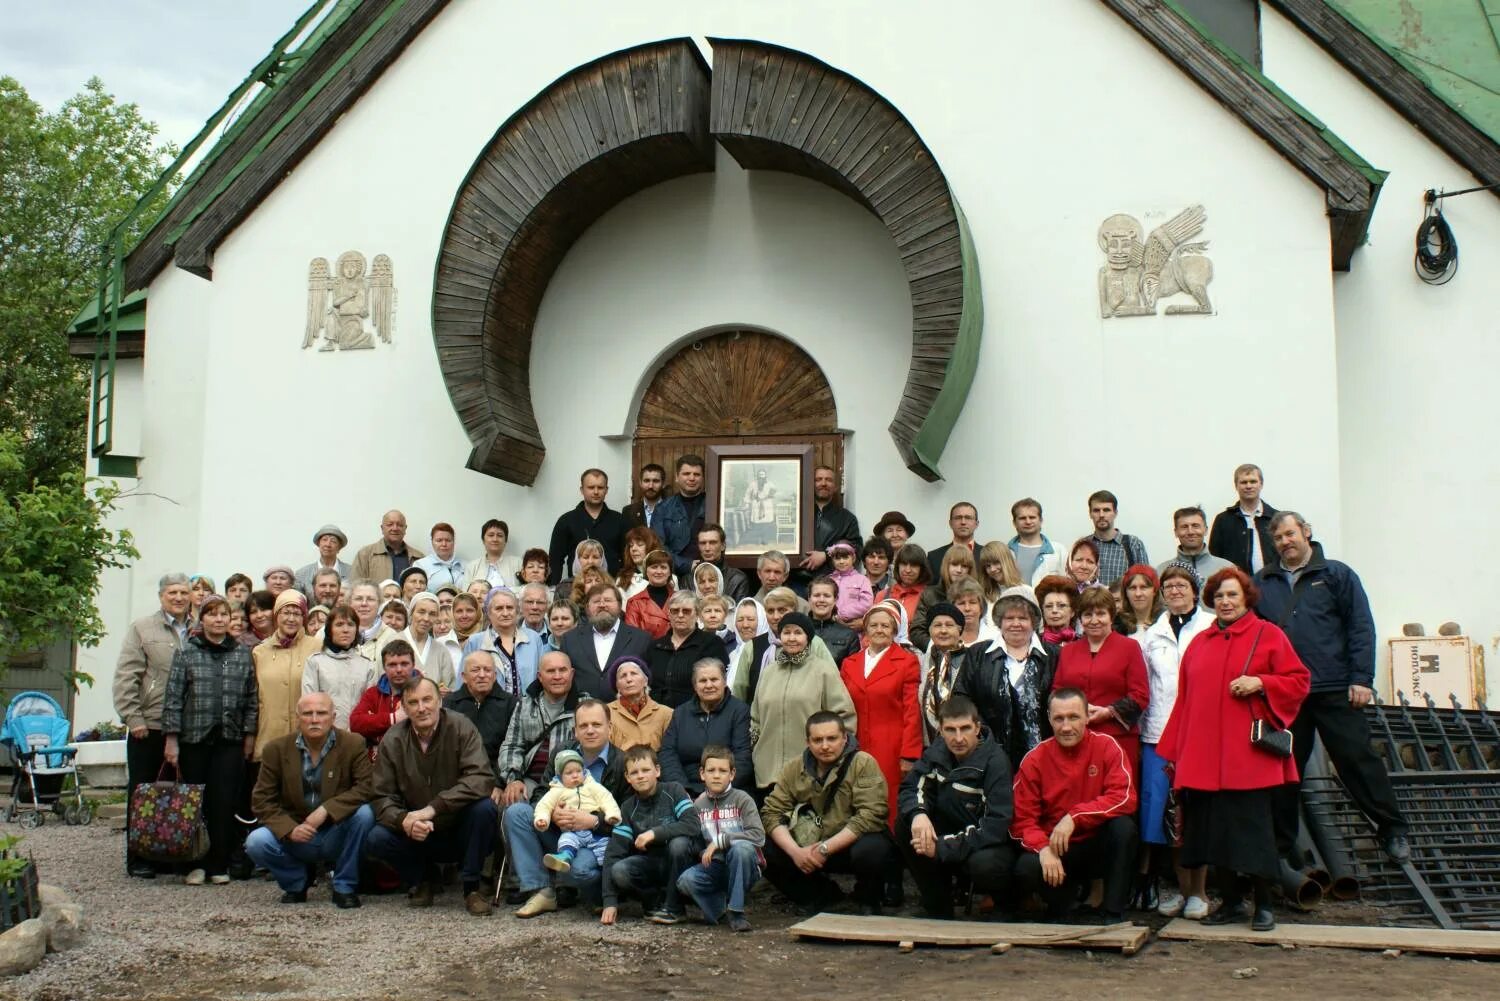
(527, 845)
(341, 843)
(652, 877)
(724, 883)
(469, 841)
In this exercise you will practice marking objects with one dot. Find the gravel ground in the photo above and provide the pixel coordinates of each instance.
(174, 941)
(167, 941)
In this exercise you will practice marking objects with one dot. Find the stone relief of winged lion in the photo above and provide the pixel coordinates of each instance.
(1168, 263)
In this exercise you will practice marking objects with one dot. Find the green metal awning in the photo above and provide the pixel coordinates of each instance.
(132, 316)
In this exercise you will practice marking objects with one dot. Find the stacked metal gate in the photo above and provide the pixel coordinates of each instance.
(1445, 767)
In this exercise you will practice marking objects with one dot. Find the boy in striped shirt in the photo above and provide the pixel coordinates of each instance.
(731, 863)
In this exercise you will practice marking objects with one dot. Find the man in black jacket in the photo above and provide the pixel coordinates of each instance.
(488, 707)
(1322, 607)
(832, 522)
(956, 812)
(1241, 533)
(963, 521)
(822, 606)
(711, 550)
(591, 519)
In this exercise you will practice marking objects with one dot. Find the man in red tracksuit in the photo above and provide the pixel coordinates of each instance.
(1074, 803)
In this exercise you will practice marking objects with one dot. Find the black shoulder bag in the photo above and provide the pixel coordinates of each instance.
(1273, 739)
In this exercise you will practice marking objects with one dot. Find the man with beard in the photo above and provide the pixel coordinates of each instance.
(643, 513)
(608, 637)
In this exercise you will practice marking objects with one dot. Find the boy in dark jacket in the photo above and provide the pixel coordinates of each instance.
(652, 844)
(955, 808)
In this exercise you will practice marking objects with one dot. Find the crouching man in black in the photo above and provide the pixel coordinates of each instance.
(956, 813)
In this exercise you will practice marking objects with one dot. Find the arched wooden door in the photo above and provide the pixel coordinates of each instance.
(736, 387)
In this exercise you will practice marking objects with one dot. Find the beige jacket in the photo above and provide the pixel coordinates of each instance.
(141, 672)
(278, 676)
(372, 563)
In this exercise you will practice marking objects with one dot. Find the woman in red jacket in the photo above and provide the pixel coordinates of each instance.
(1110, 670)
(882, 681)
(1240, 670)
(648, 609)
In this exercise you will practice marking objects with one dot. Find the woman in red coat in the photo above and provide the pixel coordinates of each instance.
(648, 609)
(1239, 670)
(882, 680)
(1110, 670)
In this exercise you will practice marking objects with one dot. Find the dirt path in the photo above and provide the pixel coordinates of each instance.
(162, 940)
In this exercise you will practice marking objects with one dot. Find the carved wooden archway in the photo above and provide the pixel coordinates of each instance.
(651, 113)
(737, 387)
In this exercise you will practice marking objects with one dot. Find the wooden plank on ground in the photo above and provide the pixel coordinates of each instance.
(1429, 940)
(925, 931)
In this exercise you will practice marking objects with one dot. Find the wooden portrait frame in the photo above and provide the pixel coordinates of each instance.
(789, 530)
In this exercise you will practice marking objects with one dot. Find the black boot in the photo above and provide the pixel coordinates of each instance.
(1264, 919)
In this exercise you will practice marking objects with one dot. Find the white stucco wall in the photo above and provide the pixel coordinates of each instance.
(1035, 113)
(1416, 368)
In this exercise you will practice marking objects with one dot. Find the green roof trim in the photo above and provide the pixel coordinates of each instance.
(1452, 48)
(1373, 174)
(279, 65)
(963, 364)
(132, 315)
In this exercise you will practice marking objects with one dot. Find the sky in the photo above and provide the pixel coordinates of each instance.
(177, 59)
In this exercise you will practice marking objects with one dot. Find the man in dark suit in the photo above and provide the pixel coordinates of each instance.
(963, 521)
(313, 799)
(607, 636)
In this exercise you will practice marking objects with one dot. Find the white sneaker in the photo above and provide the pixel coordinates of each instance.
(1196, 909)
(219, 879)
(1171, 902)
(195, 878)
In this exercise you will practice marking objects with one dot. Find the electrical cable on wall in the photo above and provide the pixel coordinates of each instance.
(1436, 260)
(1437, 251)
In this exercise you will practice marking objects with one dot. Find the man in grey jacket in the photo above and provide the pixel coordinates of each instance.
(141, 681)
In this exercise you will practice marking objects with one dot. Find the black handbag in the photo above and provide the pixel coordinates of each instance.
(1268, 735)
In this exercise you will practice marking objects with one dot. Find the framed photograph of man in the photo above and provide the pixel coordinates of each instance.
(762, 495)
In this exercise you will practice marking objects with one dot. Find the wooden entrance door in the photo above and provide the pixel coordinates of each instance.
(736, 387)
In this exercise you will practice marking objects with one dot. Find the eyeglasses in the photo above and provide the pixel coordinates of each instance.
(1177, 585)
(681, 611)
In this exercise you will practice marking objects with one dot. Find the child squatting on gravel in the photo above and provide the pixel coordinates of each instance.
(731, 827)
(575, 788)
(651, 846)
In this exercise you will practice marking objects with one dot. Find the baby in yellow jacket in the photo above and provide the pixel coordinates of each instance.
(576, 789)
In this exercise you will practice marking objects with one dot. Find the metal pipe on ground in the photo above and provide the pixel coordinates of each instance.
(1337, 859)
(1313, 866)
(1300, 892)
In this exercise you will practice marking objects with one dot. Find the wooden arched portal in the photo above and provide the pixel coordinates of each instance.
(737, 387)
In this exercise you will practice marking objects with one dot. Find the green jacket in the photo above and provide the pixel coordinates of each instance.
(859, 804)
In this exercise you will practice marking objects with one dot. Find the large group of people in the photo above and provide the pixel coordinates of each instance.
(1064, 729)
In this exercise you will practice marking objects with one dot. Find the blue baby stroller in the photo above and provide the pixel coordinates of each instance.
(36, 733)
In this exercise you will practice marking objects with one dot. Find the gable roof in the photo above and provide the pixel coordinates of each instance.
(1461, 115)
(1350, 183)
(309, 89)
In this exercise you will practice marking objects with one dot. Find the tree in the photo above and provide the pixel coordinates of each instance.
(67, 178)
(53, 544)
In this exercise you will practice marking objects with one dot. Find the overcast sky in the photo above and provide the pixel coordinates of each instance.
(178, 59)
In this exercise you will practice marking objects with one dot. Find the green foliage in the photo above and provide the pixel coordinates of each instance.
(54, 541)
(66, 178)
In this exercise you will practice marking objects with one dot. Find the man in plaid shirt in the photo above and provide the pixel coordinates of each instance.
(1118, 552)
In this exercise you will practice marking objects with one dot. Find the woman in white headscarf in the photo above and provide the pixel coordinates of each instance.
(750, 623)
(433, 658)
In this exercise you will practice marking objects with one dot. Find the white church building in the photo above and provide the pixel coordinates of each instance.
(450, 254)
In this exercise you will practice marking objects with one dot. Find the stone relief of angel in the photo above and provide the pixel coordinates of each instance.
(1138, 274)
(339, 304)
